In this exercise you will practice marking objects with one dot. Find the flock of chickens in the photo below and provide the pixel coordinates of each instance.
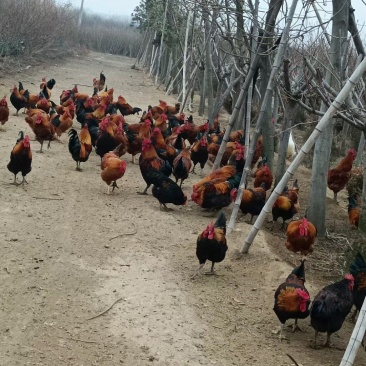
(160, 138)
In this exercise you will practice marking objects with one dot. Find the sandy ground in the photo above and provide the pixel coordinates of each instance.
(61, 264)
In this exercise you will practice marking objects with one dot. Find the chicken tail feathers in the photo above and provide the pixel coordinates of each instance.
(358, 265)
(299, 271)
(221, 221)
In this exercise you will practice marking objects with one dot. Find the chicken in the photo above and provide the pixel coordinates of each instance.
(292, 299)
(257, 151)
(173, 109)
(353, 212)
(211, 244)
(106, 139)
(21, 158)
(341, 174)
(236, 135)
(17, 100)
(44, 104)
(263, 175)
(41, 126)
(182, 165)
(80, 146)
(301, 236)
(191, 130)
(32, 99)
(164, 150)
(331, 306)
(167, 191)
(213, 149)
(99, 83)
(252, 201)
(47, 87)
(113, 169)
(156, 111)
(358, 271)
(4, 112)
(125, 108)
(70, 93)
(286, 205)
(175, 139)
(199, 153)
(61, 122)
(213, 192)
(150, 163)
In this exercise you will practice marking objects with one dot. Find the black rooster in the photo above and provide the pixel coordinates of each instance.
(80, 146)
(211, 244)
(331, 306)
(21, 158)
(292, 299)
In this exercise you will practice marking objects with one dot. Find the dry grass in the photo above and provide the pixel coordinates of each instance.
(109, 35)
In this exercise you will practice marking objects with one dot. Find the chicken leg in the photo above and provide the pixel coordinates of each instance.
(198, 271)
(15, 180)
(212, 272)
(327, 342)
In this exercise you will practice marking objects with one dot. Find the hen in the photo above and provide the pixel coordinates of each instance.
(182, 165)
(21, 158)
(113, 168)
(300, 236)
(211, 244)
(341, 174)
(252, 201)
(166, 191)
(80, 146)
(331, 306)
(353, 212)
(358, 271)
(292, 299)
(4, 112)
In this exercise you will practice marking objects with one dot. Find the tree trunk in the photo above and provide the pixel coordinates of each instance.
(317, 199)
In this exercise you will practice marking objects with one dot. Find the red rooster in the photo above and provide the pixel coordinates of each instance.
(211, 244)
(182, 165)
(301, 236)
(21, 158)
(113, 168)
(341, 174)
(263, 175)
(292, 299)
(331, 306)
(353, 213)
(4, 112)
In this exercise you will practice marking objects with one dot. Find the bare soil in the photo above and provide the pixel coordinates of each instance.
(69, 252)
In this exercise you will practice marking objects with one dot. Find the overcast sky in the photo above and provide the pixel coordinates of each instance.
(126, 7)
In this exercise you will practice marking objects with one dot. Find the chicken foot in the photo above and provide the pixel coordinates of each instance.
(145, 190)
(163, 207)
(15, 181)
(295, 327)
(198, 271)
(41, 149)
(78, 168)
(212, 272)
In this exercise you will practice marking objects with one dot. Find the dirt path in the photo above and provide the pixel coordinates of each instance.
(61, 267)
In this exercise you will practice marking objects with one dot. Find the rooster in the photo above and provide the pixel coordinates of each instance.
(61, 122)
(263, 175)
(4, 112)
(191, 130)
(300, 236)
(341, 174)
(46, 87)
(211, 244)
(17, 100)
(41, 126)
(358, 271)
(80, 146)
(126, 109)
(252, 201)
(99, 83)
(199, 153)
(150, 163)
(353, 212)
(166, 191)
(182, 165)
(331, 306)
(292, 299)
(21, 158)
(113, 168)
(70, 93)
(286, 205)
(44, 104)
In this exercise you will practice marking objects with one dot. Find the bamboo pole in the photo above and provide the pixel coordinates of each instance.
(262, 114)
(185, 60)
(161, 42)
(356, 338)
(334, 107)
